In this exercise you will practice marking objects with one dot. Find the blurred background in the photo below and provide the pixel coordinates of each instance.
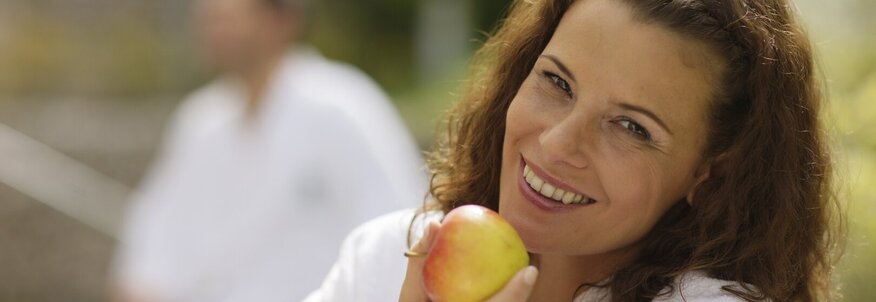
(86, 87)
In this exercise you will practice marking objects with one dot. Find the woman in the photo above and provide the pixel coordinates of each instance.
(644, 150)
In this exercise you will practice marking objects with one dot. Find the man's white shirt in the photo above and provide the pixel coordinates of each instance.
(238, 209)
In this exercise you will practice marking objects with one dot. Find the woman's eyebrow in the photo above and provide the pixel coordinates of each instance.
(560, 65)
(644, 111)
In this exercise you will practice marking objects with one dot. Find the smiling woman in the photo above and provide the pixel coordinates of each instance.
(645, 150)
(602, 135)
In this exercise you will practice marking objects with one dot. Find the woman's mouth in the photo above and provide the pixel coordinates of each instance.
(552, 191)
(546, 193)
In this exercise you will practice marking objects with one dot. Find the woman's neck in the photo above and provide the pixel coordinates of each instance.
(560, 277)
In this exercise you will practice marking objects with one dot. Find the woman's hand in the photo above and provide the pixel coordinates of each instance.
(517, 290)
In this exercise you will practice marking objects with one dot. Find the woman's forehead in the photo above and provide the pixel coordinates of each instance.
(610, 52)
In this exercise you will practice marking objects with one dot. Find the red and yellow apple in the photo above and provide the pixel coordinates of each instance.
(474, 254)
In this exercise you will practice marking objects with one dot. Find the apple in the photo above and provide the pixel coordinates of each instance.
(474, 254)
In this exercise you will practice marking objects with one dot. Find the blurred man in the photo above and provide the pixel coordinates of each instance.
(265, 170)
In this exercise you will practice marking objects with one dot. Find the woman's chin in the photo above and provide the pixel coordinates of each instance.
(538, 235)
(544, 248)
(535, 241)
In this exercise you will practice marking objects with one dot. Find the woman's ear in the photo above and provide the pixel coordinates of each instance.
(708, 168)
(702, 175)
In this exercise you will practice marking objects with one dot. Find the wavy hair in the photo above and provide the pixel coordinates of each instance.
(766, 217)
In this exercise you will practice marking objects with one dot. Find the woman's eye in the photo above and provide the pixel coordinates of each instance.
(635, 129)
(559, 83)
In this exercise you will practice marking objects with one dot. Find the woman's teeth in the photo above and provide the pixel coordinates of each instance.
(551, 191)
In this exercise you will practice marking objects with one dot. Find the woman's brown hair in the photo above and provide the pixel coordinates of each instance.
(765, 217)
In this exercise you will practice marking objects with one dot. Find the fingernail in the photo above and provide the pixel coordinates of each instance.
(530, 275)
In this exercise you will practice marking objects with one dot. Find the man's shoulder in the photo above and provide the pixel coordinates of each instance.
(315, 78)
(215, 94)
(320, 68)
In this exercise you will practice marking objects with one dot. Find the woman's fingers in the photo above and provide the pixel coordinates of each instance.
(519, 288)
(412, 289)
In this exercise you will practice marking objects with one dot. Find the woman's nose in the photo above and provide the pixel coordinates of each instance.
(565, 142)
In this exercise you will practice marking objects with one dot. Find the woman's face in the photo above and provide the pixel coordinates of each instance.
(612, 121)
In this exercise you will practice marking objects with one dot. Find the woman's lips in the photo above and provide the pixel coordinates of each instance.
(561, 200)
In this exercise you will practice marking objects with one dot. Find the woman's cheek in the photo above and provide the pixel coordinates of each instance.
(514, 119)
(627, 177)
(524, 115)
